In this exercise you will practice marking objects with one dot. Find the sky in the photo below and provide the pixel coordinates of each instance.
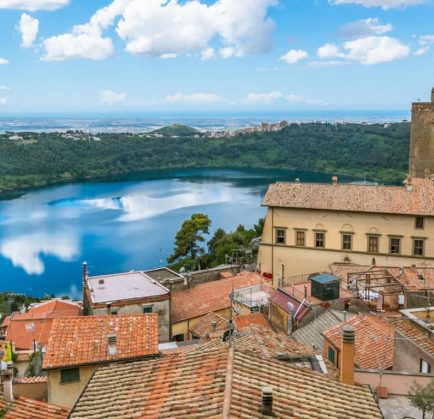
(213, 55)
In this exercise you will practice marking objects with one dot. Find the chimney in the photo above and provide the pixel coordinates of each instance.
(84, 272)
(291, 314)
(111, 341)
(7, 376)
(109, 308)
(432, 95)
(347, 355)
(334, 180)
(213, 326)
(267, 401)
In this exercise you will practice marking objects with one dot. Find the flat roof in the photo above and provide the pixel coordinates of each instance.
(124, 286)
(162, 274)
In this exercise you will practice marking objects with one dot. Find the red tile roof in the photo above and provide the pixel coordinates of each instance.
(214, 381)
(24, 408)
(374, 344)
(415, 200)
(84, 340)
(420, 337)
(30, 380)
(209, 297)
(23, 329)
(246, 320)
(205, 326)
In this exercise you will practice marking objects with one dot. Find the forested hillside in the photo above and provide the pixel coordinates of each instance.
(375, 151)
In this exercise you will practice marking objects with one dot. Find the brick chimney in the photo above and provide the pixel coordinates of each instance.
(347, 355)
(267, 401)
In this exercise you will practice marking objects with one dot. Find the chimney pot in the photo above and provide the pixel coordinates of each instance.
(213, 325)
(267, 401)
(7, 378)
(348, 334)
(335, 180)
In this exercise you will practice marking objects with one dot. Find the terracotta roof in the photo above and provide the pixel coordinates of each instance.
(246, 320)
(30, 380)
(24, 408)
(205, 326)
(202, 383)
(415, 200)
(374, 344)
(84, 340)
(23, 329)
(422, 338)
(208, 297)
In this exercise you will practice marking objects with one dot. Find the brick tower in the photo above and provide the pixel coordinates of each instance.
(422, 139)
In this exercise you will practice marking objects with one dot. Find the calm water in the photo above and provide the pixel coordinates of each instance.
(119, 226)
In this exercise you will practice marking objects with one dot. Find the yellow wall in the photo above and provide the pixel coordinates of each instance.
(308, 259)
(183, 327)
(68, 393)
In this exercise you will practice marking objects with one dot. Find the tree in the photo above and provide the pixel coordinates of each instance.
(188, 239)
(422, 398)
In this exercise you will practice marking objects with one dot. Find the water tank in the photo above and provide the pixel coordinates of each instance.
(324, 287)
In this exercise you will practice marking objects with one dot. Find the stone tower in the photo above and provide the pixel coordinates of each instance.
(422, 139)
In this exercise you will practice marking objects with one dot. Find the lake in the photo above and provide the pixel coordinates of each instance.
(45, 234)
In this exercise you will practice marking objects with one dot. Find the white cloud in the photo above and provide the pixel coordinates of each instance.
(28, 28)
(425, 41)
(4, 61)
(108, 97)
(33, 5)
(3, 101)
(301, 99)
(3, 87)
(384, 4)
(368, 50)
(169, 28)
(263, 98)
(365, 27)
(193, 98)
(208, 54)
(294, 56)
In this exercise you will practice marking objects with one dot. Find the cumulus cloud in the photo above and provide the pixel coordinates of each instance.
(193, 98)
(294, 56)
(364, 27)
(384, 4)
(368, 50)
(262, 98)
(28, 28)
(33, 5)
(208, 54)
(4, 61)
(108, 97)
(169, 28)
(425, 41)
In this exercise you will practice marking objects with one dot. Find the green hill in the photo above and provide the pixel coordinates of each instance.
(176, 130)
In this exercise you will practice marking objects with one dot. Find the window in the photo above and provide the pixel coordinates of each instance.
(347, 241)
(418, 247)
(373, 244)
(319, 239)
(395, 245)
(420, 223)
(147, 309)
(280, 236)
(113, 312)
(69, 375)
(424, 367)
(178, 338)
(331, 355)
(300, 238)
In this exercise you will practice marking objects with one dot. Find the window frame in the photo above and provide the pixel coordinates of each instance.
(303, 235)
(422, 220)
(316, 239)
(391, 238)
(343, 236)
(146, 309)
(277, 237)
(413, 247)
(64, 380)
(377, 246)
(331, 355)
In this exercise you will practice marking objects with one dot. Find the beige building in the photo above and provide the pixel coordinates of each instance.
(134, 292)
(78, 346)
(309, 226)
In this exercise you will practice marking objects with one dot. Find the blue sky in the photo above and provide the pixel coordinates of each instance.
(162, 55)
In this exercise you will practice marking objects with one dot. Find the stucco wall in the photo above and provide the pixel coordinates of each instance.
(308, 259)
(407, 355)
(35, 391)
(68, 393)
